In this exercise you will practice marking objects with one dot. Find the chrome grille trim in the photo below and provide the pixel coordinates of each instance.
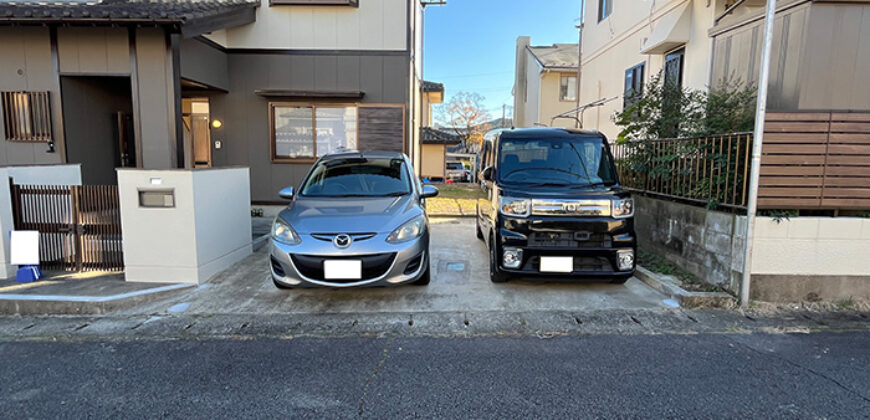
(355, 236)
(559, 207)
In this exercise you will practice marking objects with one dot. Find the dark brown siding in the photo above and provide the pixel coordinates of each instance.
(245, 133)
(204, 63)
(381, 128)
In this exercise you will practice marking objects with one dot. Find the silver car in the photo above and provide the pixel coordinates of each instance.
(357, 220)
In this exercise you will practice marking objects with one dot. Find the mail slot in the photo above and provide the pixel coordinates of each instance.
(157, 198)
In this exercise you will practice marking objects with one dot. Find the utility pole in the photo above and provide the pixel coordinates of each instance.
(503, 121)
(579, 124)
(757, 141)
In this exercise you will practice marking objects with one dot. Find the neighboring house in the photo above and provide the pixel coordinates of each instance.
(434, 141)
(699, 43)
(269, 85)
(545, 83)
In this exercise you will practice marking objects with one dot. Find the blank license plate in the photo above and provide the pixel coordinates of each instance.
(342, 269)
(557, 264)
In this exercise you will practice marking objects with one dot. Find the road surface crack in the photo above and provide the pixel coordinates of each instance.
(839, 384)
(384, 353)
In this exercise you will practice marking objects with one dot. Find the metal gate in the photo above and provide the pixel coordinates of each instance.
(79, 225)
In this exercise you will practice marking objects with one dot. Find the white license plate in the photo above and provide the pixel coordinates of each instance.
(342, 269)
(557, 264)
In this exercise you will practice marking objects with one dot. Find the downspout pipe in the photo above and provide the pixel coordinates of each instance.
(757, 141)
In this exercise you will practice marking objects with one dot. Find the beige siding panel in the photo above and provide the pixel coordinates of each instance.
(433, 161)
(25, 64)
(155, 103)
(374, 25)
(93, 50)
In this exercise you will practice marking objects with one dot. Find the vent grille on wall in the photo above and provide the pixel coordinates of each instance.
(27, 116)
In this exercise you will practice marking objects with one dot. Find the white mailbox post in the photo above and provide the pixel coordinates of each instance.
(183, 225)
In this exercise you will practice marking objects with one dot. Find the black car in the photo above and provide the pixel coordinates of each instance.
(554, 207)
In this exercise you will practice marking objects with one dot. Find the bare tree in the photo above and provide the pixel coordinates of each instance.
(466, 115)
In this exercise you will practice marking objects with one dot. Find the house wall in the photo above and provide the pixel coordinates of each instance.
(245, 135)
(379, 25)
(520, 80)
(26, 64)
(613, 45)
(433, 161)
(530, 102)
(93, 50)
(550, 104)
(202, 63)
(156, 100)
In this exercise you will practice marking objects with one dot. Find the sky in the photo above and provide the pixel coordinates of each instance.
(469, 45)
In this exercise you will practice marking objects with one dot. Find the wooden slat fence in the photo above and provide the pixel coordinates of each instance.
(79, 225)
(815, 160)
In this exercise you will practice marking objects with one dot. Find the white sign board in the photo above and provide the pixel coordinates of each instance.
(25, 247)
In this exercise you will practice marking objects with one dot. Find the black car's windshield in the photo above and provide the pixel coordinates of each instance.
(358, 177)
(562, 161)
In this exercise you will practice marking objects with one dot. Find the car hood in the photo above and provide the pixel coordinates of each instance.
(592, 193)
(350, 215)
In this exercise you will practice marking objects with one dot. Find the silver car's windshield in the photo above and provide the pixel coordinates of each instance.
(358, 177)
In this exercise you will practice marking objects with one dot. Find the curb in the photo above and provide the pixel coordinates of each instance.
(18, 304)
(669, 287)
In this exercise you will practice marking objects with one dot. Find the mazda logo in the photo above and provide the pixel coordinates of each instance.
(342, 241)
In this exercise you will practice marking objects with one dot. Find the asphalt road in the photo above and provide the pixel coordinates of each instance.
(770, 376)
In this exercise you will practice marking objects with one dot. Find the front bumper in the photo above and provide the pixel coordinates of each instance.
(384, 264)
(592, 242)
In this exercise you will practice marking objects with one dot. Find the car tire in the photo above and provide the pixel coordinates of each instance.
(620, 280)
(281, 285)
(495, 275)
(424, 278)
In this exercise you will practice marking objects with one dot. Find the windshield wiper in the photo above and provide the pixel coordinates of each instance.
(546, 184)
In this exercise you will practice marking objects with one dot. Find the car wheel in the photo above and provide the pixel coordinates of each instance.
(620, 280)
(495, 275)
(280, 285)
(424, 278)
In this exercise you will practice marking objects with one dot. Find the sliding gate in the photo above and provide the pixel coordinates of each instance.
(79, 225)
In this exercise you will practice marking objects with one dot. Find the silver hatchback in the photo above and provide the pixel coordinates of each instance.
(357, 220)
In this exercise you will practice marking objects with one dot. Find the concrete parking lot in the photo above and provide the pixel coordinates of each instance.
(460, 283)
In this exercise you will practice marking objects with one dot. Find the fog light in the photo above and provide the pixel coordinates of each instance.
(625, 259)
(512, 257)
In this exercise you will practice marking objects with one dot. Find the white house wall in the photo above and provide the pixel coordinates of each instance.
(613, 45)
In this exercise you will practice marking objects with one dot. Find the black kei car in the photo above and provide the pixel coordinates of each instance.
(554, 207)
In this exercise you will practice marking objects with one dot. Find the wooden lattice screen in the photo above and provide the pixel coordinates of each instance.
(818, 160)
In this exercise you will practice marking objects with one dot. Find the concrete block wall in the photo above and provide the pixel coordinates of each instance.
(802, 258)
(698, 240)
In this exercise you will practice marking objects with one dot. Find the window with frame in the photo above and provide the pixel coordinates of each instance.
(307, 131)
(674, 68)
(568, 88)
(27, 116)
(633, 89)
(605, 8)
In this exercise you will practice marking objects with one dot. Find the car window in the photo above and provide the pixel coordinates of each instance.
(570, 161)
(350, 177)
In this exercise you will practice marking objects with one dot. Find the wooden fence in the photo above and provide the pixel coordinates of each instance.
(79, 226)
(817, 160)
(810, 161)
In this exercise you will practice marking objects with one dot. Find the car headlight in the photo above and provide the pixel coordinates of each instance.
(514, 206)
(282, 232)
(409, 230)
(623, 208)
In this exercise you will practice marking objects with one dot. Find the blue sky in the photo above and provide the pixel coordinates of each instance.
(469, 44)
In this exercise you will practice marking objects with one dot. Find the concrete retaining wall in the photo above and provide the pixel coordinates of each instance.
(802, 258)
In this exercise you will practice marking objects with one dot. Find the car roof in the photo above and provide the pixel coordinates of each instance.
(363, 154)
(551, 132)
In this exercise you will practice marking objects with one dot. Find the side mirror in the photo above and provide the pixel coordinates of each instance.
(429, 191)
(487, 173)
(286, 193)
